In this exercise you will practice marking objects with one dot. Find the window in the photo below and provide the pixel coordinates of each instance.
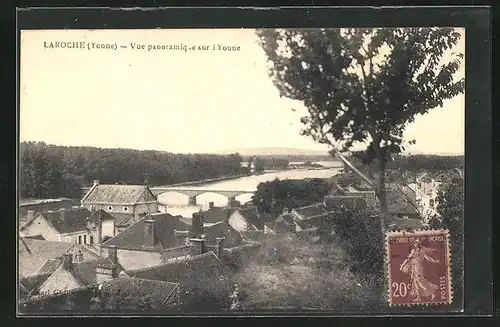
(125, 208)
(110, 208)
(80, 239)
(91, 239)
(84, 239)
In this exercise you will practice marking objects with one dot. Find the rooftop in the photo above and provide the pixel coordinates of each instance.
(118, 194)
(71, 220)
(32, 258)
(310, 211)
(398, 203)
(165, 226)
(135, 291)
(252, 216)
(199, 275)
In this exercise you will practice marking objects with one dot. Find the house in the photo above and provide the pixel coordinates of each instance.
(127, 203)
(72, 275)
(204, 280)
(136, 294)
(281, 225)
(150, 241)
(28, 208)
(160, 237)
(399, 206)
(122, 294)
(216, 214)
(40, 256)
(77, 225)
(246, 219)
(336, 202)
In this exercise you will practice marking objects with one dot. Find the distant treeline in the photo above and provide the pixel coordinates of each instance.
(417, 163)
(427, 162)
(290, 158)
(48, 171)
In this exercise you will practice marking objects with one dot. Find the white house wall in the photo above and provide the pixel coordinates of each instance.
(40, 226)
(60, 280)
(238, 222)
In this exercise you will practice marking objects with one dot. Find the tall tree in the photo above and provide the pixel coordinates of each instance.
(364, 85)
(450, 208)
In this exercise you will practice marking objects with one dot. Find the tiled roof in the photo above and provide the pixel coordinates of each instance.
(123, 219)
(215, 215)
(312, 222)
(45, 205)
(50, 266)
(74, 220)
(253, 235)
(397, 203)
(39, 252)
(119, 194)
(311, 210)
(199, 275)
(133, 291)
(221, 229)
(36, 237)
(86, 271)
(280, 225)
(231, 237)
(335, 202)
(33, 283)
(252, 216)
(165, 226)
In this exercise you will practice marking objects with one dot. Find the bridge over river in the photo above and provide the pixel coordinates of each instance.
(192, 193)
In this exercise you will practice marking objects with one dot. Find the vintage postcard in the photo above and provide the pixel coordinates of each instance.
(174, 171)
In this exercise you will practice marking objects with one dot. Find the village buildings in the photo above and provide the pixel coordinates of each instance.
(160, 237)
(77, 225)
(126, 203)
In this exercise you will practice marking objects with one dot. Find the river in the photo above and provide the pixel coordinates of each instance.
(176, 204)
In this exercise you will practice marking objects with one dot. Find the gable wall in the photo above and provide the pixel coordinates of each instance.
(40, 226)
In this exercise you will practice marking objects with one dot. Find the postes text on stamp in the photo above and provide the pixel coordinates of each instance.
(418, 265)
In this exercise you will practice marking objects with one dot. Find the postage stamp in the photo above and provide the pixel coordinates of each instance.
(418, 265)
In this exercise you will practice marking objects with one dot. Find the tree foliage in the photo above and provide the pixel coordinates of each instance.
(272, 197)
(51, 171)
(450, 210)
(364, 85)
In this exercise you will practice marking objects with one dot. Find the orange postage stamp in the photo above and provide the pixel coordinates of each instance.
(418, 267)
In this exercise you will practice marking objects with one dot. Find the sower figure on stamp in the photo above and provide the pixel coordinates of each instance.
(414, 265)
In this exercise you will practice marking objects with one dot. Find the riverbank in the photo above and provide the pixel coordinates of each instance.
(207, 181)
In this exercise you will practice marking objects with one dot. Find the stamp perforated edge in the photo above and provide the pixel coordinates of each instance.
(445, 232)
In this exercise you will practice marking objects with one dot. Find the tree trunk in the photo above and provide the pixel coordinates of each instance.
(382, 195)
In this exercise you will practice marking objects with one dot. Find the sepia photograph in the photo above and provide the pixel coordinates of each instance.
(184, 171)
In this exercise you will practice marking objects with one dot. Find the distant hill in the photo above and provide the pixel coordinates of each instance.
(275, 151)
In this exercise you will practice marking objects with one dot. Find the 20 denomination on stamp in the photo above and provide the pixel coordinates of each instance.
(418, 267)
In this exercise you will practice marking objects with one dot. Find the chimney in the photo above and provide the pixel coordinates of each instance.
(79, 256)
(106, 271)
(220, 247)
(210, 205)
(96, 182)
(113, 254)
(198, 245)
(68, 261)
(31, 214)
(149, 232)
(197, 224)
(99, 231)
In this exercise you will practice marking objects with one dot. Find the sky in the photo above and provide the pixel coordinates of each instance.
(201, 101)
